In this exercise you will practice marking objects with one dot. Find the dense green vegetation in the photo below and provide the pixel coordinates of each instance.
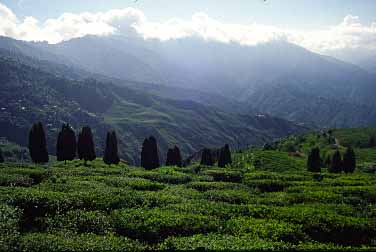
(266, 199)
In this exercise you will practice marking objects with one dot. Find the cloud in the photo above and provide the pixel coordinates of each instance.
(349, 34)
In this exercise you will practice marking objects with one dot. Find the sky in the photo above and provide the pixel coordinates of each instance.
(318, 25)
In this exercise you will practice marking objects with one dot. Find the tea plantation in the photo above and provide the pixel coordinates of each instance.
(266, 200)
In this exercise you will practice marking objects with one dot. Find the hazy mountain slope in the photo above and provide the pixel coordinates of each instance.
(237, 72)
(31, 93)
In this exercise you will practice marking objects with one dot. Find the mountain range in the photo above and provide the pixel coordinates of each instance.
(189, 92)
(40, 90)
(277, 77)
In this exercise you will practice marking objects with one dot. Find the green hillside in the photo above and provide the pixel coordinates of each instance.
(265, 200)
(34, 91)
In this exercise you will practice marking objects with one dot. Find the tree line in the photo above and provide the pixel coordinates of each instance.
(336, 164)
(68, 147)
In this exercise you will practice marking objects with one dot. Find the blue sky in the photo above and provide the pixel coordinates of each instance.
(296, 14)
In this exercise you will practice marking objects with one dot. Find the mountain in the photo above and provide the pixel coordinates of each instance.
(34, 90)
(275, 77)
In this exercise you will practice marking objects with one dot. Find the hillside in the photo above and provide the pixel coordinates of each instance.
(33, 90)
(264, 200)
(277, 77)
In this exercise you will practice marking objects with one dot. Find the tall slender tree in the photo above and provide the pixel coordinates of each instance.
(149, 154)
(349, 160)
(66, 146)
(314, 160)
(207, 158)
(1, 157)
(178, 158)
(85, 145)
(111, 153)
(174, 157)
(170, 160)
(336, 165)
(372, 142)
(224, 156)
(38, 144)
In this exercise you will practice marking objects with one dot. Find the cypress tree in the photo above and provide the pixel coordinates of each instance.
(207, 158)
(314, 161)
(85, 145)
(170, 160)
(66, 144)
(1, 157)
(225, 156)
(336, 165)
(111, 153)
(174, 157)
(178, 158)
(149, 154)
(372, 142)
(38, 144)
(349, 161)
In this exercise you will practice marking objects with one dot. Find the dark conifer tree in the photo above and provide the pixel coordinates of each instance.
(207, 158)
(224, 156)
(372, 142)
(66, 146)
(336, 165)
(178, 158)
(111, 153)
(85, 145)
(149, 154)
(1, 157)
(314, 160)
(174, 157)
(38, 144)
(170, 160)
(349, 161)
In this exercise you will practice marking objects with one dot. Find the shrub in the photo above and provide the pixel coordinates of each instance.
(221, 242)
(9, 227)
(206, 186)
(266, 229)
(170, 178)
(80, 221)
(224, 175)
(73, 242)
(15, 180)
(155, 224)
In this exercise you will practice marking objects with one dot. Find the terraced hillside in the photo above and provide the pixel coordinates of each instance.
(264, 200)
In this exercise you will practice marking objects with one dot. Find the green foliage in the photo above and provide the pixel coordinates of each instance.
(156, 224)
(224, 175)
(73, 242)
(96, 207)
(9, 227)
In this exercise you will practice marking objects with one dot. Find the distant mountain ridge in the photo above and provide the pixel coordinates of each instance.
(34, 90)
(277, 78)
(244, 74)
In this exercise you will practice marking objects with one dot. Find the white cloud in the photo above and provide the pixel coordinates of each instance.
(349, 34)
